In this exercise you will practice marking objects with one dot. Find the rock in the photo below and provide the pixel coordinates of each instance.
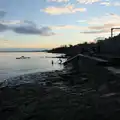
(48, 83)
(103, 89)
(28, 108)
(54, 79)
(84, 79)
(108, 95)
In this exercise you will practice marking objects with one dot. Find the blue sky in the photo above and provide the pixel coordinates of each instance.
(51, 23)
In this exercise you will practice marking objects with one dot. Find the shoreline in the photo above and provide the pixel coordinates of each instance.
(61, 95)
(29, 78)
(8, 72)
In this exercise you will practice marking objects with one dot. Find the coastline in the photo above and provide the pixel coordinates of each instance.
(31, 78)
(60, 95)
(10, 67)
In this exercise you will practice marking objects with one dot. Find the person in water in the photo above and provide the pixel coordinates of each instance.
(60, 61)
(52, 62)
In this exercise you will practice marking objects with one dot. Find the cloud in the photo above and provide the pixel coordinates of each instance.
(44, 31)
(58, 0)
(67, 27)
(108, 3)
(110, 18)
(29, 23)
(10, 22)
(2, 13)
(102, 2)
(103, 24)
(93, 32)
(25, 27)
(116, 4)
(3, 27)
(88, 1)
(105, 3)
(59, 27)
(68, 9)
(17, 22)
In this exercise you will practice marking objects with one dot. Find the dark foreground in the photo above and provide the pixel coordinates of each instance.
(67, 96)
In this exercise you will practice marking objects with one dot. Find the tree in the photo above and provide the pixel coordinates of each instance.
(70, 45)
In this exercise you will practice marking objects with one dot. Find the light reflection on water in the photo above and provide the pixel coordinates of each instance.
(11, 67)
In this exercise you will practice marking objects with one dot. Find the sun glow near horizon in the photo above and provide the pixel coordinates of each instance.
(52, 23)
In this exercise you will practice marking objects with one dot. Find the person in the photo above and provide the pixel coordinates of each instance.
(52, 62)
(60, 61)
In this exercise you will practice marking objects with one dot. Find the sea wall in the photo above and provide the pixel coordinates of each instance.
(95, 67)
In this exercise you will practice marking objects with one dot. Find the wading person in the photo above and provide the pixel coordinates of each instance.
(60, 61)
(52, 62)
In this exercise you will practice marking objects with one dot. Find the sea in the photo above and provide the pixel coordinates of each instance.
(38, 62)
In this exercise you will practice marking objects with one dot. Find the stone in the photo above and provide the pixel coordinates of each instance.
(48, 83)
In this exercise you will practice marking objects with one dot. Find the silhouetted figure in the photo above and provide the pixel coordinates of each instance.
(52, 62)
(60, 61)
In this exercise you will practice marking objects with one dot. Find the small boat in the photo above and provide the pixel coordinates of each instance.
(23, 57)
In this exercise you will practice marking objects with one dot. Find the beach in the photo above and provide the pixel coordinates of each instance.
(59, 95)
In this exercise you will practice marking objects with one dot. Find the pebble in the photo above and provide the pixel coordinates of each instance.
(37, 78)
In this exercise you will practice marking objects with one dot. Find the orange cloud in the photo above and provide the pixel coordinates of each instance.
(68, 9)
(103, 24)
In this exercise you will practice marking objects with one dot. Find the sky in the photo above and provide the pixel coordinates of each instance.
(52, 23)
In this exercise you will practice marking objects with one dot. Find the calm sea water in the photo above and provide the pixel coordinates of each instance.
(11, 67)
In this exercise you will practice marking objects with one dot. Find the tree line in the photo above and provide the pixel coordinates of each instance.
(107, 46)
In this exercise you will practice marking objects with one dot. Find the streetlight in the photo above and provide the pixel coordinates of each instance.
(112, 31)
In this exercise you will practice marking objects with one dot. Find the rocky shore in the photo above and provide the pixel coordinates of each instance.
(60, 95)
